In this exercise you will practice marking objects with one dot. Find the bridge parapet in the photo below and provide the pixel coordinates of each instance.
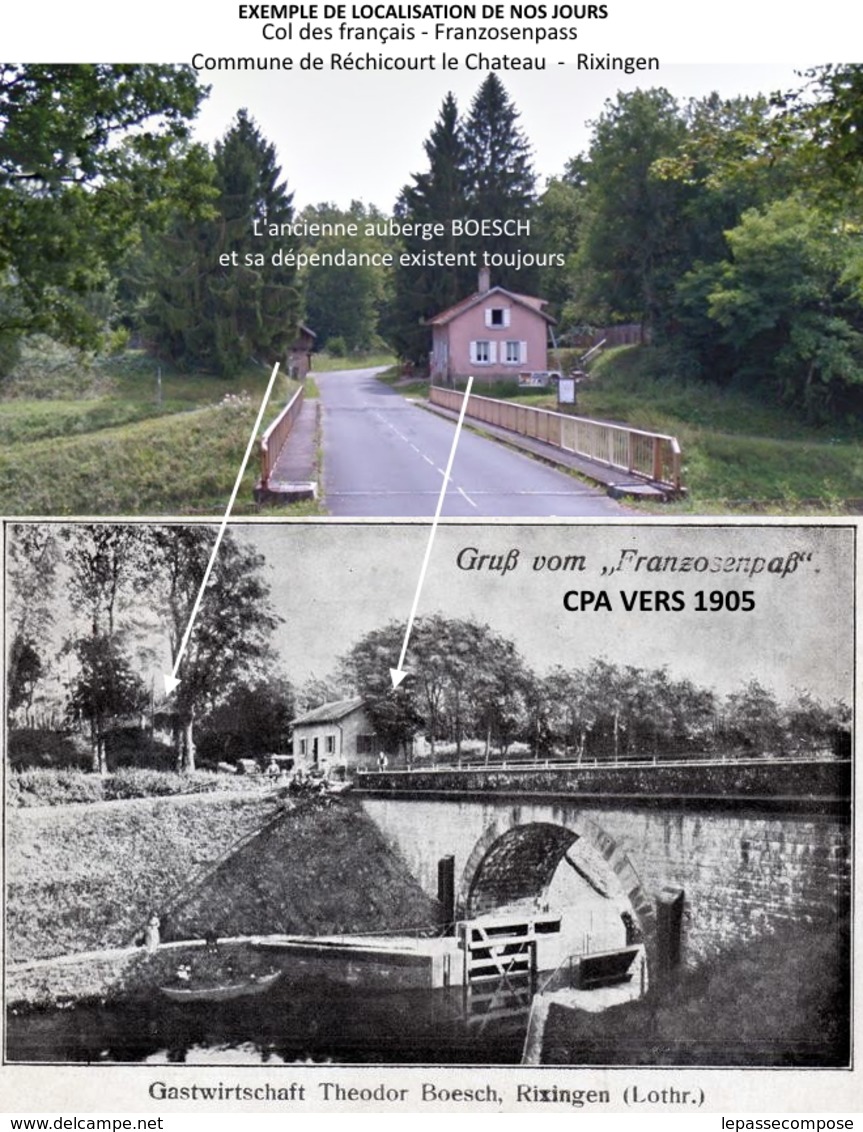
(815, 785)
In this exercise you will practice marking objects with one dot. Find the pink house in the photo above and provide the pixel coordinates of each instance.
(493, 334)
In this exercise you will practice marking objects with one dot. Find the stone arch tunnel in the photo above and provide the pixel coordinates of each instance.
(744, 872)
(513, 866)
(516, 861)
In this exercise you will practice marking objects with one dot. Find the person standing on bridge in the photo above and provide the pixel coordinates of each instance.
(382, 762)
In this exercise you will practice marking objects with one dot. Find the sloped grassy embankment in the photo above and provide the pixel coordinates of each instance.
(742, 453)
(783, 1000)
(180, 464)
(85, 878)
(97, 439)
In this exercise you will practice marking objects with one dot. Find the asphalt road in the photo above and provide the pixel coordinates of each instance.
(386, 456)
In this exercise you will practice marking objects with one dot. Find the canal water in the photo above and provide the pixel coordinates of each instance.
(294, 1021)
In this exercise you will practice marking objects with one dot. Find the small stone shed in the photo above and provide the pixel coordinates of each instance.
(299, 356)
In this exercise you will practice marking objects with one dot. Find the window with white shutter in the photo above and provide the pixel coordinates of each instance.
(497, 317)
(512, 352)
(482, 352)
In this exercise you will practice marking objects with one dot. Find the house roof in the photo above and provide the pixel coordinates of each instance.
(530, 301)
(331, 712)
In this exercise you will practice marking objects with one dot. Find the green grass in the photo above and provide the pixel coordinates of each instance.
(181, 464)
(740, 454)
(22, 422)
(325, 363)
(107, 444)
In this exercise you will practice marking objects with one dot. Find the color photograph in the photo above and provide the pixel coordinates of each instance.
(653, 280)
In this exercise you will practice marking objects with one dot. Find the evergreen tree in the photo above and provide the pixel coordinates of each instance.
(478, 169)
(435, 196)
(501, 180)
(218, 299)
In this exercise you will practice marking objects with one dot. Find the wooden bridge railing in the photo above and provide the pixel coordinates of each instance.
(650, 456)
(273, 440)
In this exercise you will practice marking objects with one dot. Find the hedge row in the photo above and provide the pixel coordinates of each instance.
(50, 787)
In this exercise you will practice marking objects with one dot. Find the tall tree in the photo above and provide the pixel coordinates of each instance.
(501, 183)
(822, 120)
(25, 671)
(564, 690)
(395, 714)
(346, 301)
(104, 689)
(464, 678)
(479, 169)
(753, 720)
(812, 725)
(31, 570)
(559, 221)
(632, 246)
(230, 639)
(252, 720)
(218, 300)
(103, 560)
(433, 197)
(84, 150)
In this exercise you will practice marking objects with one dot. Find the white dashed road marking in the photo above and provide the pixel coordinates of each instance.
(419, 452)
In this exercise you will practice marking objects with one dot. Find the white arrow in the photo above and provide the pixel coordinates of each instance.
(170, 678)
(398, 674)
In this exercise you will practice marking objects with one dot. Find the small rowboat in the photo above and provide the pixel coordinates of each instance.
(221, 992)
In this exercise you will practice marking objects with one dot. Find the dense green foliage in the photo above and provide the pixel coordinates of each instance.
(729, 230)
(501, 182)
(432, 197)
(253, 719)
(631, 240)
(345, 302)
(85, 152)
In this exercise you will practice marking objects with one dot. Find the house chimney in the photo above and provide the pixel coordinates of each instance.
(484, 280)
